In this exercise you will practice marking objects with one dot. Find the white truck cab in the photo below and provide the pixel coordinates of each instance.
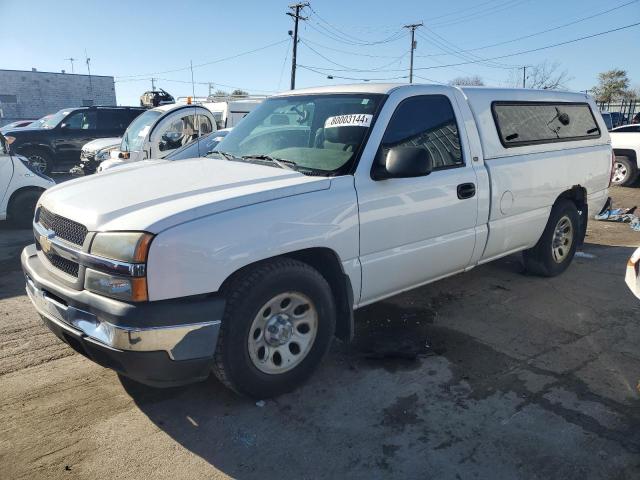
(20, 187)
(625, 141)
(247, 263)
(159, 131)
(229, 113)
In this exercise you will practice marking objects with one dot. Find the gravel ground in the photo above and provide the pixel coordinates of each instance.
(490, 374)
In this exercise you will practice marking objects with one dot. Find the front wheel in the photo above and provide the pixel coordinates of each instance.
(555, 250)
(22, 208)
(39, 160)
(278, 324)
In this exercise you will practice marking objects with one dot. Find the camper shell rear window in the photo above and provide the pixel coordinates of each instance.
(534, 123)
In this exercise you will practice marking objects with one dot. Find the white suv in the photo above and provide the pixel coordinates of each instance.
(20, 187)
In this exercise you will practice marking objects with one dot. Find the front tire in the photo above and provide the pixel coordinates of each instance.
(278, 324)
(39, 160)
(555, 250)
(22, 208)
(625, 171)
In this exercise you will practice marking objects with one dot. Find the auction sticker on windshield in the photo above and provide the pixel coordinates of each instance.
(355, 120)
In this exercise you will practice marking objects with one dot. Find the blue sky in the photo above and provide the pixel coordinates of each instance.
(130, 39)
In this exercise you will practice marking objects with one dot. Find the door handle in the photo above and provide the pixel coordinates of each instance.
(466, 190)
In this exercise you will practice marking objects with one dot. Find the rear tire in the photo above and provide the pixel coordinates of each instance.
(22, 208)
(263, 350)
(40, 160)
(555, 250)
(625, 171)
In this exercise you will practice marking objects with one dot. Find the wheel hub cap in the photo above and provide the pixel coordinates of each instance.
(619, 172)
(282, 333)
(562, 239)
(279, 330)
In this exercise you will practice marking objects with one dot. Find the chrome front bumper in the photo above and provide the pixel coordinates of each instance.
(80, 322)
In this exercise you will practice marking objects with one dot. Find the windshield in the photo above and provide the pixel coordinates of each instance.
(323, 133)
(133, 137)
(55, 119)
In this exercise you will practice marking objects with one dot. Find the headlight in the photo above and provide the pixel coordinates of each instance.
(130, 247)
(116, 286)
(10, 139)
(126, 247)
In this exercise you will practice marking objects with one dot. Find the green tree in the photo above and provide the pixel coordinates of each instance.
(239, 93)
(612, 85)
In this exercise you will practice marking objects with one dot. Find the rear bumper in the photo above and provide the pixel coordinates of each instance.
(156, 343)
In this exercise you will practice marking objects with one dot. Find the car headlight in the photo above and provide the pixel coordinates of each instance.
(130, 247)
(125, 247)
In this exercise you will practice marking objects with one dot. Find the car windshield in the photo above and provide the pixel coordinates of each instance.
(133, 137)
(55, 119)
(321, 133)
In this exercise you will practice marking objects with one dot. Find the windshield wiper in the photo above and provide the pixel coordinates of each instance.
(286, 164)
(226, 155)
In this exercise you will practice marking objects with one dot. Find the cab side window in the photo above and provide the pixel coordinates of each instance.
(113, 119)
(83, 120)
(178, 133)
(427, 122)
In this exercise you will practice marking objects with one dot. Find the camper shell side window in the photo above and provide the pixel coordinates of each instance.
(533, 123)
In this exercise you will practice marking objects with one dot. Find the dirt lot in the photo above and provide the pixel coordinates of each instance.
(515, 377)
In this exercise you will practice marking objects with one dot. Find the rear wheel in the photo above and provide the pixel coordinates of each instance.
(278, 324)
(39, 160)
(22, 208)
(555, 250)
(625, 171)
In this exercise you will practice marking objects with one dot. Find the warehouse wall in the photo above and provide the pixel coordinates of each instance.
(31, 95)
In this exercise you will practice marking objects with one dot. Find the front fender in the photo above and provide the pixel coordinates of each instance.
(196, 257)
(31, 144)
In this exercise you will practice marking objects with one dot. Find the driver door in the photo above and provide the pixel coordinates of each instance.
(74, 132)
(415, 230)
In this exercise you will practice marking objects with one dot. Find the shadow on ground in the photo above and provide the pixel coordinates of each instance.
(492, 374)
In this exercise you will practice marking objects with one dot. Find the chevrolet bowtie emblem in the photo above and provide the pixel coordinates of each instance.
(45, 241)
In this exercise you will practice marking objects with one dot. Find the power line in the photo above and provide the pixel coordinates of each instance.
(480, 14)
(231, 57)
(319, 45)
(579, 20)
(346, 68)
(522, 52)
(313, 69)
(465, 10)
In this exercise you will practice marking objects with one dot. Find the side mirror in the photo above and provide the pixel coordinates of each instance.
(405, 162)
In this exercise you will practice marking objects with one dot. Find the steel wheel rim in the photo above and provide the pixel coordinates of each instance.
(562, 239)
(38, 163)
(282, 333)
(619, 172)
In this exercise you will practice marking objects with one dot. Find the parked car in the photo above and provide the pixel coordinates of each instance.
(94, 153)
(248, 265)
(626, 147)
(632, 127)
(20, 186)
(59, 141)
(632, 276)
(14, 125)
(200, 146)
(159, 131)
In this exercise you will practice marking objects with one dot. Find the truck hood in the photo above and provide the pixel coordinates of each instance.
(157, 195)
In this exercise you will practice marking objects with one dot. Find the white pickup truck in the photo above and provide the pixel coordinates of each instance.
(625, 142)
(319, 202)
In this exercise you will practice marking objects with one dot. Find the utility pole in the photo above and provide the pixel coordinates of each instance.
(153, 84)
(71, 59)
(412, 27)
(524, 76)
(89, 72)
(296, 7)
(211, 89)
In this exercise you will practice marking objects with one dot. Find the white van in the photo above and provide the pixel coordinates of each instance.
(159, 131)
(20, 186)
(321, 201)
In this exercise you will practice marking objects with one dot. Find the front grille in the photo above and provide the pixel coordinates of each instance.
(64, 228)
(67, 266)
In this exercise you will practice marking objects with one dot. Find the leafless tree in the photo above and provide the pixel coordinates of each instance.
(544, 76)
(472, 80)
